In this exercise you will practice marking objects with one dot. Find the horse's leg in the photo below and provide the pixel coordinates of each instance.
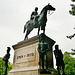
(38, 30)
(27, 33)
(26, 36)
(44, 30)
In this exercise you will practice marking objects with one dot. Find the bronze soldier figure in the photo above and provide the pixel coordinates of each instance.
(5, 59)
(42, 49)
(59, 59)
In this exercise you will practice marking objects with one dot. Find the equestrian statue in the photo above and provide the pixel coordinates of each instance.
(37, 21)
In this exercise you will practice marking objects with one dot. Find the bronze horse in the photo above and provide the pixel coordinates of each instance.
(38, 21)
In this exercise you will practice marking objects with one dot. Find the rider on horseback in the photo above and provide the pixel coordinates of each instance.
(37, 21)
(34, 13)
(34, 17)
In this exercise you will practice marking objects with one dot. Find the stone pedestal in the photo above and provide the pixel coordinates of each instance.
(26, 57)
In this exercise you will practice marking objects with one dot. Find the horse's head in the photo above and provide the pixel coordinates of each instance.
(49, 7)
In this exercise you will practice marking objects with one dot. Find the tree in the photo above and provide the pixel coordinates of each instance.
(73, 52)
(73, 0)
(69, 62)
(72, 12)
(2, 68)
(71, 36)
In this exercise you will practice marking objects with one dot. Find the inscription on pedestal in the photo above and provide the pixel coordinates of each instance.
(25, 55)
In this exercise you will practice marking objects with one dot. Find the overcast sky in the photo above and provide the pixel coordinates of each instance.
(15, 13)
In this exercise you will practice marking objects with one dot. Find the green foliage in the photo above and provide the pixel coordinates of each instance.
(73, 0)
(71, 36)
(69, 62)
(73, 52)
(2, 68)
(72, 11)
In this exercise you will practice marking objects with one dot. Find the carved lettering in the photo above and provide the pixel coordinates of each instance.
(19, 57)
(28, 55)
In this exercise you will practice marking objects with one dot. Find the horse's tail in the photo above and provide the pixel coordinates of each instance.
(24, 28)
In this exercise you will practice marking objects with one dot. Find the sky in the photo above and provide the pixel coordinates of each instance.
(15, 13)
